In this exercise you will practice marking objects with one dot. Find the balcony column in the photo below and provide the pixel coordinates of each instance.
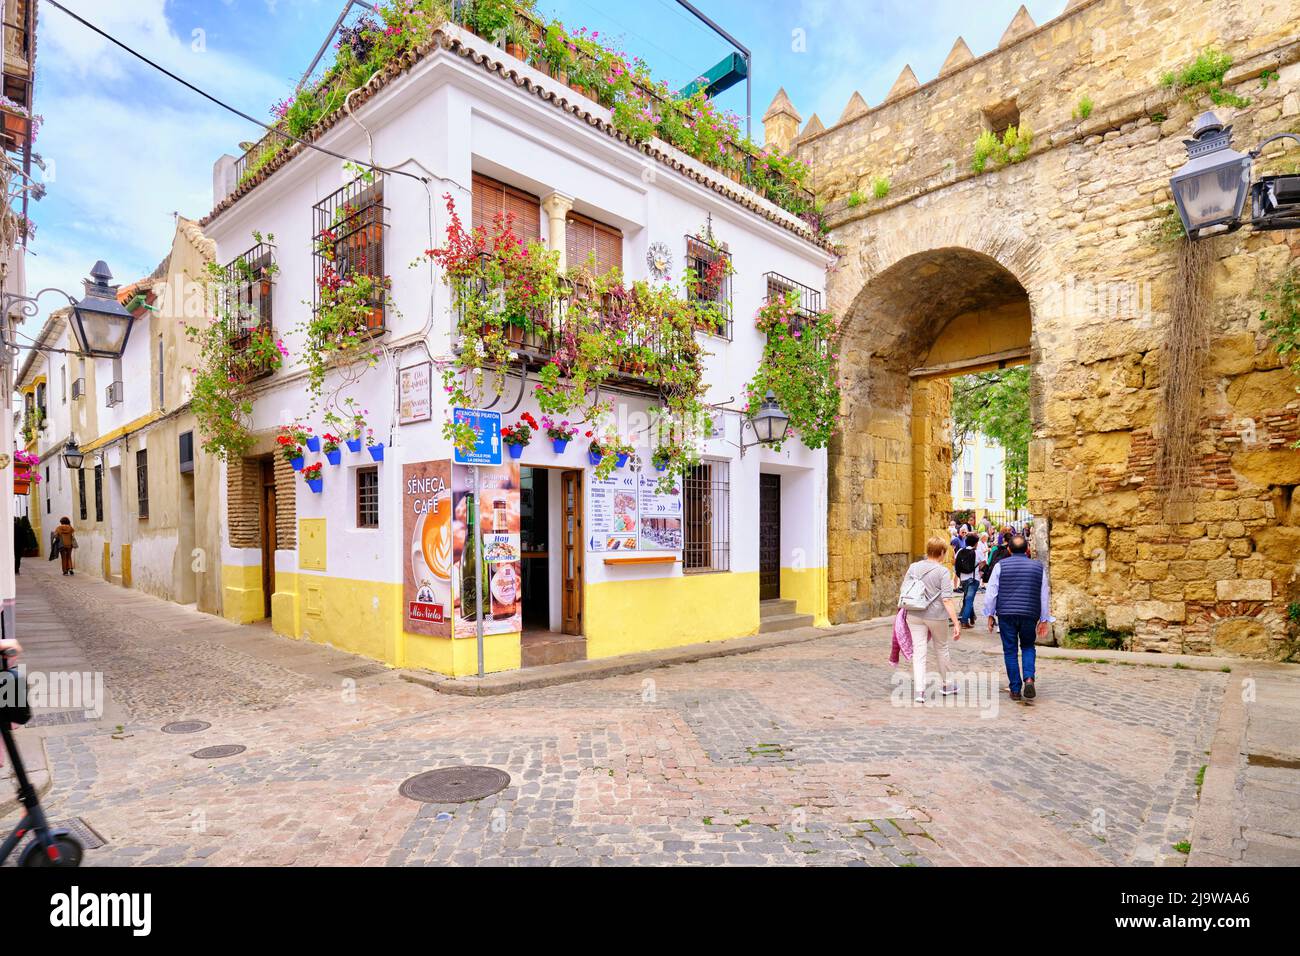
(557, 207)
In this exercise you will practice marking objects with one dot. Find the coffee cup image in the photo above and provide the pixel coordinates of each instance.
(431, 552)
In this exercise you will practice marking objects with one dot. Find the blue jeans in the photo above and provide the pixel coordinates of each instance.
(1018, 635)
(969, 589)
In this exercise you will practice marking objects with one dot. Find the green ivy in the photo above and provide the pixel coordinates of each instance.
(799, 367)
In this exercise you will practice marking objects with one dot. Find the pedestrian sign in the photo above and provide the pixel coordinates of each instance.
(487, 426)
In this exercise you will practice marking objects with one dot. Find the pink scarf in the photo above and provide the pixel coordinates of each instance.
(902, 641)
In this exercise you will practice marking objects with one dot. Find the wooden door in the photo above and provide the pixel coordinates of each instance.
(769, 537)
(268, 533)
(572, 548)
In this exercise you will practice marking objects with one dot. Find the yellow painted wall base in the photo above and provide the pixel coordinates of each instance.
(624, 617)
(106, 563)
(808, 589)
(241, 593)
(126, 565)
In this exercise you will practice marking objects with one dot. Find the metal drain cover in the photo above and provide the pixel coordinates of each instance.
(455, 784)
(185, 726)
(221, 750)
(85, 834)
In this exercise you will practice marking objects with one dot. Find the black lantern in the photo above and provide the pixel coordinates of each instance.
(1210, 189)
(100, 323)
(73, 456)
(770, 424)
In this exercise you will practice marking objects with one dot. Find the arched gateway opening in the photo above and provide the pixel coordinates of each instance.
(913, 327)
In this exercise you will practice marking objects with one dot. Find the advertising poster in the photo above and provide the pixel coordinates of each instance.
(498, 537)
(426, 528)
(661, 516)
(612, 512)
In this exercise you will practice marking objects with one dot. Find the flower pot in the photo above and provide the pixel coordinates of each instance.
(622, 460)
(313, 443)
(297, 463)
(22, 484)
(559, 444)
(317, 485)
(661, 468)
(516, 451)
(16, 126)
(354, 445)
(377, 452)
(335, 456)
(594, 457)
(515, 50)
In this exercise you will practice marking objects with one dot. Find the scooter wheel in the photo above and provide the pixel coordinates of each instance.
(70, 852)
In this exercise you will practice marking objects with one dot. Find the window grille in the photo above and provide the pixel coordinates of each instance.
(142, 481)
(99, 492)
(706, 501)
(712, 268)
(81, 493)
(247, 288)
(367, 497)
(349, 240)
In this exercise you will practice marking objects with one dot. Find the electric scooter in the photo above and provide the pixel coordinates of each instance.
(49, 847)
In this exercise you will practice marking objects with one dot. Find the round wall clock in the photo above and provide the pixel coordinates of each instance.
(660, 260)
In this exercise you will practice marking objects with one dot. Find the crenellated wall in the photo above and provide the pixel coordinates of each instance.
(1072, 232)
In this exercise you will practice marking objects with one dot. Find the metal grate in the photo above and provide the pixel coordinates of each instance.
(368, 497)
(142, 481)
(810, 300)
(454, 784)
(99, 493)
(712, 268)
(706, 500)
(349, 239)
(246, 289)
(81, 493)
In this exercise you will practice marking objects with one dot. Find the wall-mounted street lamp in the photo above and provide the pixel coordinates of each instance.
(769, 424)
(73, 456)
(1210, 188)
(100, 324)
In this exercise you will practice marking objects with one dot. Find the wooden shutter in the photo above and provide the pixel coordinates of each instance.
(587, 238)
(492, 199)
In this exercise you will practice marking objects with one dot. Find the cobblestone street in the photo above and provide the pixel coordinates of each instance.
(802, 755)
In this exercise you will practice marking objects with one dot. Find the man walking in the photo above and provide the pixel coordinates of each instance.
(1019, 596)
(968, 581)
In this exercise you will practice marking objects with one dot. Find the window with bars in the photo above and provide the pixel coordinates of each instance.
(349, 241)
(968, 485)
(81, 493)
(368, 497)
(706, 505)
(99, 492)
(246, 291)
(142, 481)
(493, 199)
(711, 266)
(809, 299)
(594, 245)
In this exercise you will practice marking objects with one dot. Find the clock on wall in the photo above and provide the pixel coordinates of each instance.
(660, 260)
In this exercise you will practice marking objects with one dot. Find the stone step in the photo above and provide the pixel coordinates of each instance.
(776, 606)
(552, 649)
(783, 622)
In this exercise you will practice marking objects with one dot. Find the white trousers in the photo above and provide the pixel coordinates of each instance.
(923, 628)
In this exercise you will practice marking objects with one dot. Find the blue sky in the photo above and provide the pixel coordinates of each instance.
(127, 147)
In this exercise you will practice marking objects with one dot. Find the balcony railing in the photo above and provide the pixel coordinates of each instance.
(551, 332)
(808, 305)
(247, 287)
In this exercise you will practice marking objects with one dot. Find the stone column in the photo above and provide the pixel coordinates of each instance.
(557, 207)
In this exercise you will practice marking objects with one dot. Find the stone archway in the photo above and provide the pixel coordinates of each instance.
(921, 317)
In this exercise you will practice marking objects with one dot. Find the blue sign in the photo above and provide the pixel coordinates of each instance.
(487, 450)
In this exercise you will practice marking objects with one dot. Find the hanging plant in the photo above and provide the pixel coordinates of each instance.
(228, 355)
(291, 439)
(799, 367)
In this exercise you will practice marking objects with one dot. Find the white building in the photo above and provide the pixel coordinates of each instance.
(495, 134)
(979, 478)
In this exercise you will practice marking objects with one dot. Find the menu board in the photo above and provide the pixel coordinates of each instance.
(415, 393)
(612, 512)
(661, 516)
(626, 512)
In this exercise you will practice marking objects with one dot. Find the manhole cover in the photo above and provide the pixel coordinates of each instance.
(362, 670)
(455, 784)
(222, 750)
(185, 726)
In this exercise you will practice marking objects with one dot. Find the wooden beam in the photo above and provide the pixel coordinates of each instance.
(980, 363)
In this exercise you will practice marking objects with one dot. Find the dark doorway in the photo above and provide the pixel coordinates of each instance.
(535, 545)
(769, 537)
(268, 524)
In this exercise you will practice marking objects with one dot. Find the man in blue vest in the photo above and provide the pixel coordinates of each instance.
(1019, 597)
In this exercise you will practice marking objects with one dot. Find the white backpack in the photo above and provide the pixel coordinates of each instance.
(914, 596)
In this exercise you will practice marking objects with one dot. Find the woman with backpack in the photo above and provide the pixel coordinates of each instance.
(928, 614)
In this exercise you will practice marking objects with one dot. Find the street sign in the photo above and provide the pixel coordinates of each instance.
(487, 450)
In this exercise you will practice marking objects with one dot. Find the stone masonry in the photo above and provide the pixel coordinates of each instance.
(1073, 230)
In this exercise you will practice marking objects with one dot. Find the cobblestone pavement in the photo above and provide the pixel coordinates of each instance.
(801, 755)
